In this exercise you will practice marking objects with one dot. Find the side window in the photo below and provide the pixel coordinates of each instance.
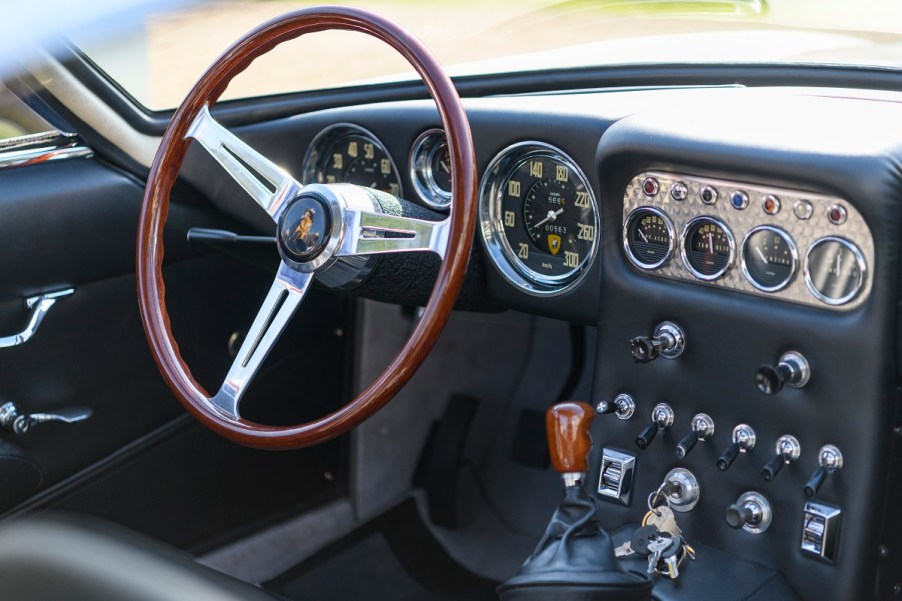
(17, 119)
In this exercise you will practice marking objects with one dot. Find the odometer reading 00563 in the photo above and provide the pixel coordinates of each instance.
(539, 217)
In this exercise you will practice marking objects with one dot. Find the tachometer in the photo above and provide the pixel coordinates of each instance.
(539, 217)
(350, 154)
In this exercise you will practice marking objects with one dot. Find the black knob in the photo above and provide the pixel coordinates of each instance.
(645, 349)
(770, 380)
(728, 457)
(686, 445)
(646, 436)
(738, 515)
(773, 467)
(815, 483)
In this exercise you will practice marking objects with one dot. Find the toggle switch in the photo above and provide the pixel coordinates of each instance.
(661, 419)
(830, 460)
(622, 406)
(743, 441)
(751, 512)
(792, 369)
(667, 341)
(702, 430)
(788, 451)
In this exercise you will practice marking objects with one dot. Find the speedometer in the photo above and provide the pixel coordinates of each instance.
(350, 154)
(539, 217)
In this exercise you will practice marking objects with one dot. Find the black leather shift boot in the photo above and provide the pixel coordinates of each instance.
(575, 561)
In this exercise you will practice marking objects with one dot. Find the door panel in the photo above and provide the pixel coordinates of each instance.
(73, 224)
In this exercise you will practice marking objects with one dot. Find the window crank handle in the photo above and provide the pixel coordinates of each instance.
(12, 419)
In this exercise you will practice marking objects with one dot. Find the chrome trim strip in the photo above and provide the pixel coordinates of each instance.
(41, 148)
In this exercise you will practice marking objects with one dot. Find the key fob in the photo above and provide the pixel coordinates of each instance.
(641, 537)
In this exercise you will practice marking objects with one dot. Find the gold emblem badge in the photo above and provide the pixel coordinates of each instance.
(554, 243)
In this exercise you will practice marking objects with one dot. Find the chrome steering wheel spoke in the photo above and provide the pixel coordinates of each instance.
(283, 299)
(364, 234)
(269, 185)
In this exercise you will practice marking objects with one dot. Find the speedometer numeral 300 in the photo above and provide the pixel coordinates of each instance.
(539, 217)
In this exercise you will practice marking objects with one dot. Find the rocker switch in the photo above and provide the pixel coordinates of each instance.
(820, 531)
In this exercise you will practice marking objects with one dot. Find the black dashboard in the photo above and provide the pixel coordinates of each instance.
(761, 222)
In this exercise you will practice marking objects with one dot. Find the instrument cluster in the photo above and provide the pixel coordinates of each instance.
(806, 248)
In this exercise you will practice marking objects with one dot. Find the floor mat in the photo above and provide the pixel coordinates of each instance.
(392, 558)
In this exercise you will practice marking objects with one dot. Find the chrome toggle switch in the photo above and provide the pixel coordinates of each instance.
(743, 441)
(788, 451)
(668, 341)
(792, 369)
(702, 430)
(19, 423)
(622, 406)
(830, 460)
(661, 419)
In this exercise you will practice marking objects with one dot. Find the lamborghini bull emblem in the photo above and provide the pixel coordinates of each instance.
(304, 229)
(554, 243)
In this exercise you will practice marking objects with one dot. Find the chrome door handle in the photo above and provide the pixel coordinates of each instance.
(11, 419)
(39, 306)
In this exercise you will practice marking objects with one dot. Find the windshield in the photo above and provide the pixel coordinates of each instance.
(157, 59)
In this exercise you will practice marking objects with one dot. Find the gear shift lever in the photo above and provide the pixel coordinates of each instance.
(575, 560)
(569, 440)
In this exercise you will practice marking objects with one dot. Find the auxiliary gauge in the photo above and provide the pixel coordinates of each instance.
(834, 270)
(539, 218)
(708, 248)
(769, 258)
(430, 168)
(648, 237)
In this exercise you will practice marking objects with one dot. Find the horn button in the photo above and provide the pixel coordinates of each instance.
(304, 228)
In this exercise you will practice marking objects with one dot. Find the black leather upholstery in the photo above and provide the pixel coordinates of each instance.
(65, 558)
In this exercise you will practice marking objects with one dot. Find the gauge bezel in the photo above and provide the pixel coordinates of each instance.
(420, 168)
(730, 239)
(327, 138)
(671, 231)
(862, 271)
(503, 256)
(793, 250)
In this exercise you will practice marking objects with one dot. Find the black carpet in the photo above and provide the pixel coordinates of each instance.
(392, 558)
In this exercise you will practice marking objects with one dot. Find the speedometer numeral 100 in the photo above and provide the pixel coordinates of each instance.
(543, 216)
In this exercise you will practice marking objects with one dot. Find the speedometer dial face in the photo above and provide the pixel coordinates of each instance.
(708, 248)
(352, 155)
(769, 258)
(540, 219)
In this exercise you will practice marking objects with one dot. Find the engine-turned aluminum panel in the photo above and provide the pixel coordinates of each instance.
(804, 222)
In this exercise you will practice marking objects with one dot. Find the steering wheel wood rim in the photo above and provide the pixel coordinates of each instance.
(164, 171)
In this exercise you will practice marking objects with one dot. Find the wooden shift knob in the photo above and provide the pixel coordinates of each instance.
(569, 440)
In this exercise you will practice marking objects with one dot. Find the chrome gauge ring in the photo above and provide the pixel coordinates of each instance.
(539, 218)
(430, 169)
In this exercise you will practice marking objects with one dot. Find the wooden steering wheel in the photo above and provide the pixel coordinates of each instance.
(316, 225)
